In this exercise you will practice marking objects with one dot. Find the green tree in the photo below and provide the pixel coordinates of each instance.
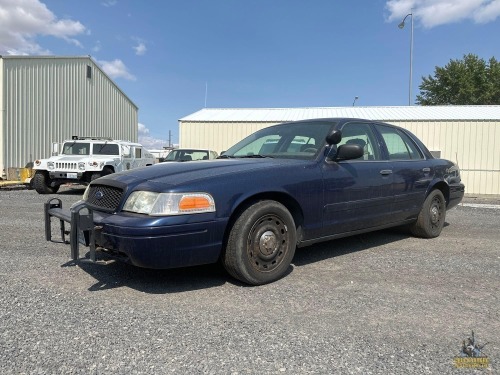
(470, 81)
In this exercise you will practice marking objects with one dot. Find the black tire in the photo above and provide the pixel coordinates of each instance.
(261, 243)
(431, 218)
(105, 171)
(41, 185)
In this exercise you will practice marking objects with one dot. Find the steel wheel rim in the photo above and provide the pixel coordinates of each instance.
(436, 212)
(267, 243)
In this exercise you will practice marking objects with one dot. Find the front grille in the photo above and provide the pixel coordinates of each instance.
(60, 165)
(104, 197)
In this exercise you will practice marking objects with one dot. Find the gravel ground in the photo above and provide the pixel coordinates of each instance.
(379, 303)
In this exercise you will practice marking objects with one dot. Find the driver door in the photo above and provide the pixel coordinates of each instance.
(357, 192)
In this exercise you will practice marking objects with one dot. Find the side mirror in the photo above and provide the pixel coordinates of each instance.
(334, 137)
(349, 152)
(55, 149)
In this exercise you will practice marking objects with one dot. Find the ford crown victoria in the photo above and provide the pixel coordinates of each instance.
(283, 187)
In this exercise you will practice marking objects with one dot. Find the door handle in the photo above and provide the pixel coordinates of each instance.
(385, 172)
(426, 170)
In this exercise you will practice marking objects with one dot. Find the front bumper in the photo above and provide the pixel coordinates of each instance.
(142, 241)
(66, 175)
(457, 192)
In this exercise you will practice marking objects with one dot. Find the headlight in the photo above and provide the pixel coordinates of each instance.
(159, 204)
(81, 166)
(50, 165)
(86, 193)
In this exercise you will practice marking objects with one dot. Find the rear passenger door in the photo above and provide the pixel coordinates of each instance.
(411, 172)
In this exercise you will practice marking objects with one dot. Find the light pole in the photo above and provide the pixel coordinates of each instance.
(402, 25)
(355, 98)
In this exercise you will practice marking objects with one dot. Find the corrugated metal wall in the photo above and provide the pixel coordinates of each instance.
(473, 145)
(49, 99)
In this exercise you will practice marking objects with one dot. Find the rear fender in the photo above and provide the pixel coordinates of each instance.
(441, 185)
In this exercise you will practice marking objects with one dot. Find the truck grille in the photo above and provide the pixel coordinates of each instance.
(72, 166)
(103, 197)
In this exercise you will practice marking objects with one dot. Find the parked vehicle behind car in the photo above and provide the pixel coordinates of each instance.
(190, 154)
(289, 185)
(83, 159)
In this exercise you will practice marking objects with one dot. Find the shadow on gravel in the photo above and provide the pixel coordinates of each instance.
(117, 274)
(72, 190)
(347, 245)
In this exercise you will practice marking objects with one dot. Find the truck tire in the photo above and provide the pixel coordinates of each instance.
(40, 183)
(105, 171)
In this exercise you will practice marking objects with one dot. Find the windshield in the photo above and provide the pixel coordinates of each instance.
(74, 148)
(105, 149)
(296, 140)
(187, 155)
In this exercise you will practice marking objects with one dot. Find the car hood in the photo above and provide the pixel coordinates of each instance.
(174, 174)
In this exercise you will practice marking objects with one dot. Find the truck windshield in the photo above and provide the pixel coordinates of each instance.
(76, 148)
(105, 149)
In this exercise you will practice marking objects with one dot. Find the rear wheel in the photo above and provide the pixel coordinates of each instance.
(261, 244)
(431, 218)
(41, 183)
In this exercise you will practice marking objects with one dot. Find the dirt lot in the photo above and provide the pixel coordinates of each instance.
(380, 303)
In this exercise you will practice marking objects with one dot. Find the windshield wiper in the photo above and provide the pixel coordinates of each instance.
(255, 156)
(225, 157)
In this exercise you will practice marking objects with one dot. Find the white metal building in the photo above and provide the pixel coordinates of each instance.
(45, 99)
(467, 135)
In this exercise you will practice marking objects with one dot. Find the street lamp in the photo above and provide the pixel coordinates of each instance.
(401, 26)
(355, 98)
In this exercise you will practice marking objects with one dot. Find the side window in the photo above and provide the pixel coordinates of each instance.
(138, 152)
(362, 135)
(399, 145)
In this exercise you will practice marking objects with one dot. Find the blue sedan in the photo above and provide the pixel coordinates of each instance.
(283, 187)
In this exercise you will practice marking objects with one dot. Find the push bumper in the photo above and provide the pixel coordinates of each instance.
(82, 226)
(143, 244)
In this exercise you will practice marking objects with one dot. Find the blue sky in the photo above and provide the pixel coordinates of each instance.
(172, 57)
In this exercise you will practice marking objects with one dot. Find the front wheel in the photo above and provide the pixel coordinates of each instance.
(261, 243)
(41, 183)
(105, 171)
(431, 218)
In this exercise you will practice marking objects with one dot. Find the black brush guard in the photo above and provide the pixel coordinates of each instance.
(82, 228)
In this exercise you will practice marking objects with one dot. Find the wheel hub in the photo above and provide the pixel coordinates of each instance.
(434, 214)
(267, 243)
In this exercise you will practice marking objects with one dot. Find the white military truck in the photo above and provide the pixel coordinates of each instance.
(83, 159)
